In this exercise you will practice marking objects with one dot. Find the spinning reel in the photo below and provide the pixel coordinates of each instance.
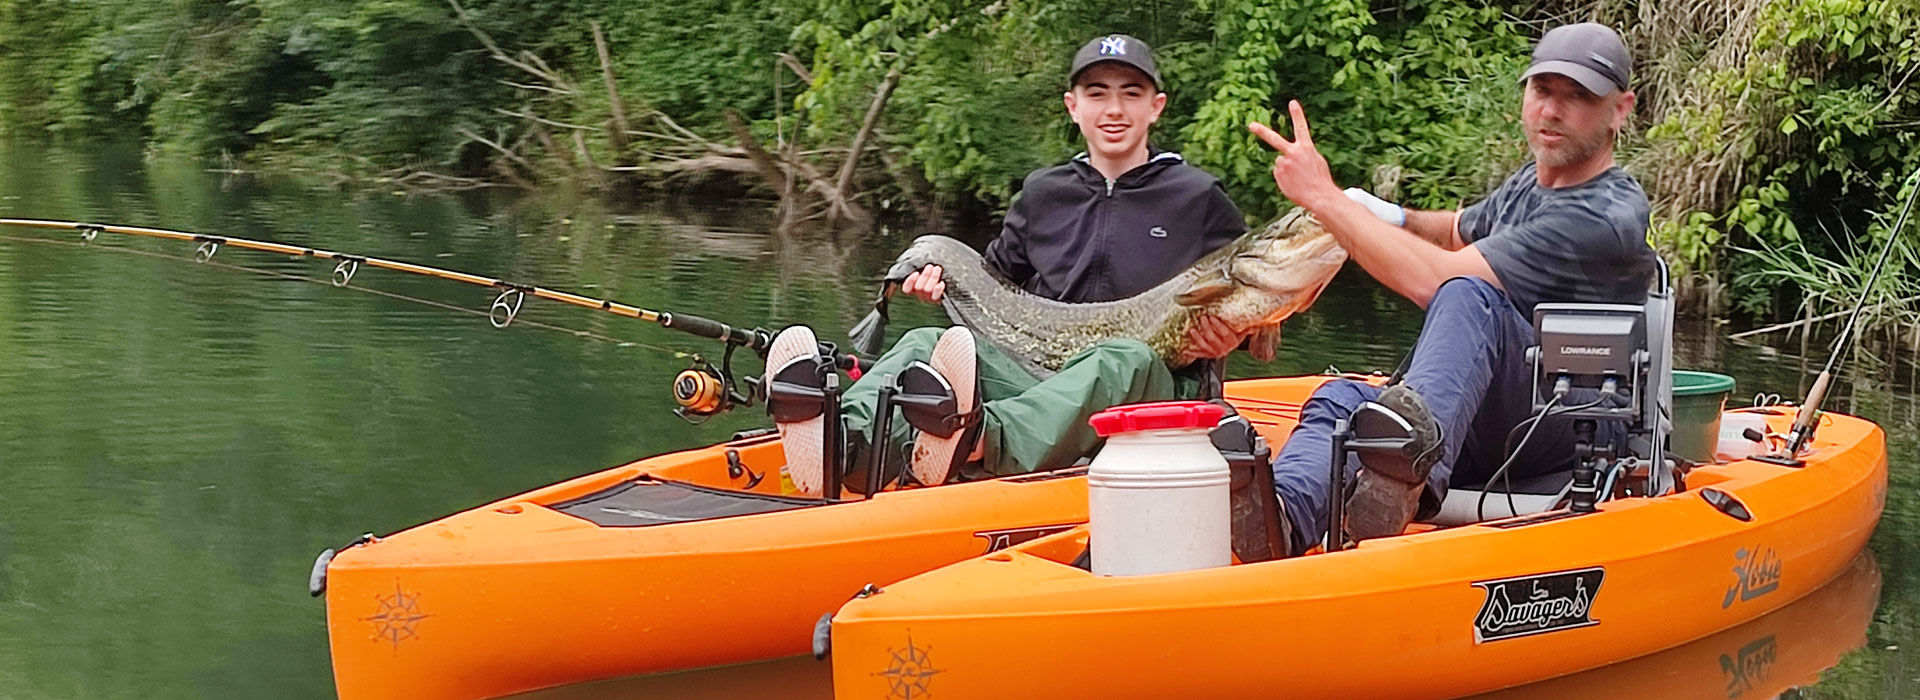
(704, 390)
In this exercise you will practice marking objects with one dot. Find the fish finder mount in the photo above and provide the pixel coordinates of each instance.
(1612, 363)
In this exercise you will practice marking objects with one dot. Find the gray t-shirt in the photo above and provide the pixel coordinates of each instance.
(1584, 243)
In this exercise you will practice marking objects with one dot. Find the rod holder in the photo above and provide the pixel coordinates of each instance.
(1337, 484)
(882, 436)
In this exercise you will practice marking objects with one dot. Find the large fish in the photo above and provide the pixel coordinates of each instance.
(1251, 284)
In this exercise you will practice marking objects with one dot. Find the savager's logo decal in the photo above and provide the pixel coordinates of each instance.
(1528, 605)
(397, 617)
(1749, 666)
(1002, 539)
(909, 671)
(1756, 574)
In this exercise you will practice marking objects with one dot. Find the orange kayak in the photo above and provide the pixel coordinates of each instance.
(678, 561)
(1786, 648)
(1431, 614)
(526, 593)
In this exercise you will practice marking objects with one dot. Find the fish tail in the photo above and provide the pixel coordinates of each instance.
(871, 332)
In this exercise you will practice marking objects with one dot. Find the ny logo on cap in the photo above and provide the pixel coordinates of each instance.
(1113, 46)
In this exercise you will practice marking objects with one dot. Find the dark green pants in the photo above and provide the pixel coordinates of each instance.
(1029, 425)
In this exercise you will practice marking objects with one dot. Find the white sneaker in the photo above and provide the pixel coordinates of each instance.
(954, 364)
(804, 440)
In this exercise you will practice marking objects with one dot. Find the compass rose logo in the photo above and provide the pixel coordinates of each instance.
(909, 672)
(398, 617)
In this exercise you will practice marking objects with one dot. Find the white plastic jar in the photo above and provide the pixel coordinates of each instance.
(1157, 493)
(1733, 443)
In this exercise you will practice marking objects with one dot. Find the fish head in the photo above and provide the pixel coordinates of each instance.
(1287, 262)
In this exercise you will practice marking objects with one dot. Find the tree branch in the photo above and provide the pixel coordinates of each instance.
(508, 152)
(617, 131)
(874, 110)
(794, 64)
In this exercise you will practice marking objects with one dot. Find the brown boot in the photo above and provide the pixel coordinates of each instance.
(1406, 444)
(1261, 530)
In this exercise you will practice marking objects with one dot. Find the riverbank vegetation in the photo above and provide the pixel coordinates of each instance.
(1773, 135)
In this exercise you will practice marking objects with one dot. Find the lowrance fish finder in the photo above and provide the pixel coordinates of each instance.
(1590, 353)
(1591, 363)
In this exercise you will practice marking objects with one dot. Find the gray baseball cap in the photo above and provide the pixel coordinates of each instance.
(1587, 52)
(1118, 48)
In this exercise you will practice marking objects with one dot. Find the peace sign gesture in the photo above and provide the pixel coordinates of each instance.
(1300, 171)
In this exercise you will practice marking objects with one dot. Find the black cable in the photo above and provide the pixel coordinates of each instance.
(1480, 509)
(1551, 409)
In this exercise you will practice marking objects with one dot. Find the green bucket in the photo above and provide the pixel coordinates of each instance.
(1698, 399)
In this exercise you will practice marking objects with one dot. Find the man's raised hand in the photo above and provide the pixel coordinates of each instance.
(1299, 170)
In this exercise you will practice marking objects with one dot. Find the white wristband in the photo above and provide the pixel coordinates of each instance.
(1387, 211)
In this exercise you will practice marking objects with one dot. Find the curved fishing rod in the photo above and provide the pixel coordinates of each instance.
(701, 391)
(1804, 420)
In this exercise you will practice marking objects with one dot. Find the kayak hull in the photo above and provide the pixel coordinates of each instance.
(516, 595)
(1759, 659)
(1434, 614)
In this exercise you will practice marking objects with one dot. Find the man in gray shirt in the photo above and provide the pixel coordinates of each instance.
(1571, 226)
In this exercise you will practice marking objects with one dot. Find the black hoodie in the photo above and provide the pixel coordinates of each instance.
(1075, 236)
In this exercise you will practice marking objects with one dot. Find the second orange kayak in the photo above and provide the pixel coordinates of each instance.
(1431, 614)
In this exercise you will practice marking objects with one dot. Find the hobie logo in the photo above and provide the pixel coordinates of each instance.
(1756, 574)
(1528, 605)
(1749, 666)
(1113, 46)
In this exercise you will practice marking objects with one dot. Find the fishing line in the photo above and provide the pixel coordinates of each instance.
(591, 335)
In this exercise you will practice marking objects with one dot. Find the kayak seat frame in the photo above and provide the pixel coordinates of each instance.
(1647, 444)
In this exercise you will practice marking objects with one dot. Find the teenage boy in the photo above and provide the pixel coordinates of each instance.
(1114, 221)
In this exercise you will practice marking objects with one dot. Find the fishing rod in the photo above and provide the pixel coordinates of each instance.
(1806, 419)
(701, 391)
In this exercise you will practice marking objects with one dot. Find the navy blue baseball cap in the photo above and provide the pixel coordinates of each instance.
(1116, 48)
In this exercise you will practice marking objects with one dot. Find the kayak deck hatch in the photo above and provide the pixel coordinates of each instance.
(647, 501)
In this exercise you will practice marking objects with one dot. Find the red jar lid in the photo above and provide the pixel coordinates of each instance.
(1161, 415)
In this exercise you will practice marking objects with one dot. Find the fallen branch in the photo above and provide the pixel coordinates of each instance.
(493, 49)
(436, 182)
(508, 152)
(775, 172)
(874, 110)
(1815, 319)
(763, 162)
(580, 145)
(530, 86)
(706, 163)
(617, 129)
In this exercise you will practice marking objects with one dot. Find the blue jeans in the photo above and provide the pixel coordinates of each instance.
(1470, 367)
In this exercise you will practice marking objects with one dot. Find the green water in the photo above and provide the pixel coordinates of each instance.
(178, 440)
